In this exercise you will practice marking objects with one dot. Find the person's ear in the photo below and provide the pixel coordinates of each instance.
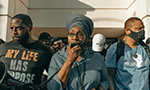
(127, 31)
(30, 28)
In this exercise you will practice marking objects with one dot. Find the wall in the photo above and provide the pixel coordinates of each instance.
(51, 15)
(106, 14)
(54, 13)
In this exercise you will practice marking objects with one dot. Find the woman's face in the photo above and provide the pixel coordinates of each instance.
(76, 35)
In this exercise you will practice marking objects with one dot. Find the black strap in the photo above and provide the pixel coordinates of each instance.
(120, 49)
(41, 86)
(146, 47)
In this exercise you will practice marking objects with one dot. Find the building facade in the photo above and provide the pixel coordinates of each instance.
(51, 15)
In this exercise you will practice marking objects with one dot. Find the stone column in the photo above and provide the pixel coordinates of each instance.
(8, 8)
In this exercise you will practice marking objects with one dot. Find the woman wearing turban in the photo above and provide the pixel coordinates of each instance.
(76, 66)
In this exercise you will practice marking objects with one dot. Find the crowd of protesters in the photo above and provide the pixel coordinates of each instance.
(49, 64)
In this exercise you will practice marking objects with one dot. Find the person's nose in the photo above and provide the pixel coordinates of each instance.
(14, 31)
(75, 36)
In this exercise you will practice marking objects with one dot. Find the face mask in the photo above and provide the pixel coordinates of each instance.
(137, 36)
(45, 43)
(58, 46)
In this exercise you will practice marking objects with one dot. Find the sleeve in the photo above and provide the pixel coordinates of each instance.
(54, 83)
(3, 50)
(111, 56)
(104, 77)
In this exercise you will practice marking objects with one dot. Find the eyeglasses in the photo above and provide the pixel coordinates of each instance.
(80, 35)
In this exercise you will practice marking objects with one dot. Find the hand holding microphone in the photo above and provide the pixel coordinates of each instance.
(74, 50)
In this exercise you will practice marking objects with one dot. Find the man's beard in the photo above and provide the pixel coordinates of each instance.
(23, 38)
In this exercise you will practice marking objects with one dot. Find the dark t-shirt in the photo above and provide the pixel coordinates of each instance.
(103, 53)
(26, 62)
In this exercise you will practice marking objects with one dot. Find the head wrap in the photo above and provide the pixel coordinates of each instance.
(83, 22)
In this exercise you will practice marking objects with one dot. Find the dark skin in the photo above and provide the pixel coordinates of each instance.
(19, 29)
(135, 26)
(58, 45)
(63, 74)
(73, 55)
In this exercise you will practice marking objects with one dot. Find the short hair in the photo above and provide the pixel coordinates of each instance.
(130, 21)
(25, 19)
(148, 41)
(44, 35)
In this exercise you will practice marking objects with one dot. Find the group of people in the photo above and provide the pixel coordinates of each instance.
(55, 43)
(76, 66)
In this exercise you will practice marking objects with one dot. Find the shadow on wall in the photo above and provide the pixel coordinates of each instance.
(0, 8)
(108, 19)
(0, 21)
(134, 14)
(49, 14)
(79, 7)
(55, 12)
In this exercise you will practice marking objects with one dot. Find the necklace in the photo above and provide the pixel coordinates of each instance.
(134, 55)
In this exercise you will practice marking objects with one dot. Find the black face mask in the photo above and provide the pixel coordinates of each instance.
(137, 36)
(54, 49)
(58, 46)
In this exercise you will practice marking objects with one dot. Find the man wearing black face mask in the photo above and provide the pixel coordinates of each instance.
(138, 36)
(56, 44)
(44, 37)
(25, 58)
(131, 70)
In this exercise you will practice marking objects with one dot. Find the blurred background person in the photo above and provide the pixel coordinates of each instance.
(98, 42)
(45, 38)
(56, 44)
